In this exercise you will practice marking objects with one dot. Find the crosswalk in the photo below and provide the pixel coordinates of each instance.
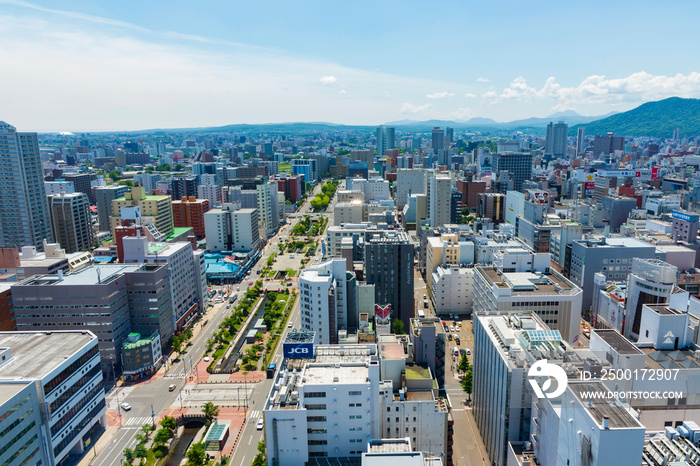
(175, 376)
(255, 414)
(138, 421)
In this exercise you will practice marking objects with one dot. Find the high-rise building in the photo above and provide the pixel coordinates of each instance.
(449, 136)
(232, 230)
(58, 186)
(608, 144)
(184, 187)
(651, 281)
(24, 211)
(556, 142)
(306, 167)
(438, 140)
(268, 206)
(189, 212)
(82, 184)
(389, 266)
(439, 198)
(53, 395)
(581, 140)
(551, 296)
(324, 300)
(385, 139)
(158, 210)
(104, 195)
(491, 206)
(70, 218)
(518, 164)
(410, 181)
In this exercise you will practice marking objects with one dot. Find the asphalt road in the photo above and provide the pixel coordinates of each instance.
(149, 400)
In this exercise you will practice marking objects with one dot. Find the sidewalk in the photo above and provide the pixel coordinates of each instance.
(101, 444)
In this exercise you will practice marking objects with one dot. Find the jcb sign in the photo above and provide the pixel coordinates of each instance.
(298, 350)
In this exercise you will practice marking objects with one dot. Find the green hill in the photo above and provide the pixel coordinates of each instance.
(654, 119)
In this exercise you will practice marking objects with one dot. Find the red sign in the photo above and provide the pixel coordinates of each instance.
(383, 313)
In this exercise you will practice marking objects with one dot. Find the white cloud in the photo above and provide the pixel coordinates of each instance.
(343, 92)
(482, 80)
(469, 95)
(440, 95)
(413, 109)
(387, 94)
(599, 90)
(330, 79)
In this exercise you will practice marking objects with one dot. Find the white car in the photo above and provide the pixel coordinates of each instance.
(207, 359)
(260, 425)
(289, 325)
(126, 406)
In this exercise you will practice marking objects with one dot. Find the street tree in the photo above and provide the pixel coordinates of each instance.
(211, 411)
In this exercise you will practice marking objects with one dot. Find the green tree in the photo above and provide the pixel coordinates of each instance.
(177, 344)
(196, 455)
(261, 446)
(259, 460)
(464, 363)
(141, 439)
(168, 422)
(162, 436)
(140, 451)
(467, 381)
(397, 327)
(114, 175)
(147, 429)
(210, 411)
(129, 454)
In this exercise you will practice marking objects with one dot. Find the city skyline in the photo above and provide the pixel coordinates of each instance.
(88, 67)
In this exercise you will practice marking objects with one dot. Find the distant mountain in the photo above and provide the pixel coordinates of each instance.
(653, 119)
(569, 117)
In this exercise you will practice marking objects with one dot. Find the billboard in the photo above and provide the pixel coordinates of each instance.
(298, 350)
(130, 213)
(536, 197)
(685, 216)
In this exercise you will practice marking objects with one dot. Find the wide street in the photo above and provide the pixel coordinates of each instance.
(149, 399)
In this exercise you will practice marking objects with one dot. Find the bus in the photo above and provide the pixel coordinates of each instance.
(421, 314)
(271, 371)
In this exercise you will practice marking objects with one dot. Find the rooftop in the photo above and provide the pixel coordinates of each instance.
(102, 274)
(9, 388)
(391, 351)
(328, 374)
(36, 354)
(415, 371)
(619, 343)
(619, 417)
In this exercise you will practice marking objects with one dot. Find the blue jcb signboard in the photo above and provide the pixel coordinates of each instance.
(298, 350)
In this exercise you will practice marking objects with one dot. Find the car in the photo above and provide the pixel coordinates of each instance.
(447, 329)
(289, 325)
(207, 359)
(462, 352)
(291, 256)
(457, 341)
(452, 328)
(250, 283)
(238, 288)
(449, 336)
(126, 406)
(469, 352)
(172, 388)
(260, 425)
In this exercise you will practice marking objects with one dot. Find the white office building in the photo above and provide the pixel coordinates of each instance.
(452, 290)
(439, 197)
(410, 181)
(187, 283)
(212, 192)
(324, 408)
(323, 297)
(51, 395)
(374, 189)
(552, 297)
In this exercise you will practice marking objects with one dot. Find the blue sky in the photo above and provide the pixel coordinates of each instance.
(82, 66)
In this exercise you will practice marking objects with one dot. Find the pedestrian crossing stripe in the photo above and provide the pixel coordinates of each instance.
(138, 421)
(255, 414)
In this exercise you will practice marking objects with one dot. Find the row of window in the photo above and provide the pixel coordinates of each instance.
(67, 372)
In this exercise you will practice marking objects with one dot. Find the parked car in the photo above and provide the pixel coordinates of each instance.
(469, 352)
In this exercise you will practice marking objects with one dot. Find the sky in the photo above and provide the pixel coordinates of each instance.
(75, 65)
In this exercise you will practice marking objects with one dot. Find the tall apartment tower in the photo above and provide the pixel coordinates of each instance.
(581, 140)
(438, 140)
(268, 206)
(24, 212)
(556, 139)
(439, 199)
(70, 218)
(449, 135)
(385, 139)
(518, 164)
